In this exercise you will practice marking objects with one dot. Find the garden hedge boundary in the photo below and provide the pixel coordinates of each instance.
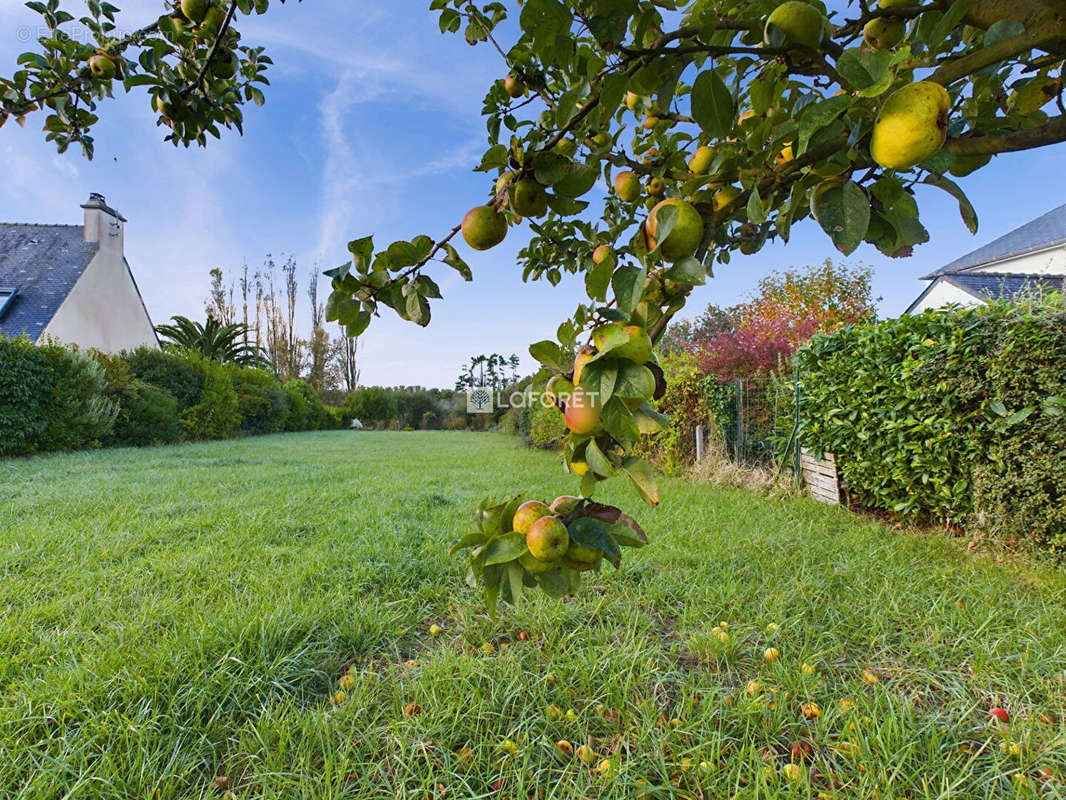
(57, 398)
(954, 416)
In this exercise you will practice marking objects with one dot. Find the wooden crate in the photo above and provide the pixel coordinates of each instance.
(820, 476)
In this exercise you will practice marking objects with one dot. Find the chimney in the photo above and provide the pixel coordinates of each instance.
(103, 225)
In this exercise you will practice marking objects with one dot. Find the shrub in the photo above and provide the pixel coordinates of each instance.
(1020, 490)
(26, 382)
(371, 405)
(261, 402)
(167, 371)
(147, 415)
(299, 417)
(79, 412)
(546, 427)
(215, 415)
(949, 416)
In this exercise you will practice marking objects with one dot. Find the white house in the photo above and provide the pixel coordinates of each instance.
(1027, 260)
(72, 283)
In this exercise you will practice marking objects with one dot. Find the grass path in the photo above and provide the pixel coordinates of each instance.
(173, 624)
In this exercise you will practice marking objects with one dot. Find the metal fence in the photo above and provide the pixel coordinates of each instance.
(756, 422)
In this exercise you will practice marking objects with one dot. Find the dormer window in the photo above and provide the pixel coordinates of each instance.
(7, 299)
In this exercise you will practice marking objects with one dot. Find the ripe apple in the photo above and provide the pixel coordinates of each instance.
(585, 754)
(632, 100)
(582, 414)
(724, 196)
(548, 539)
(912, 125)
(565, 748)
(683, 238)
(883, 33)
(483, 228)
(1000, 715)
(513, 85)
(771, 655)
(627, 186)
(102, 66)
(601, 254)
(802, 24)
(701, 160)
(530, 199)
(528, 513)
(656, 187)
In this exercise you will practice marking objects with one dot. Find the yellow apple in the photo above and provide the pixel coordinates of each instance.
(912, 125)
(683, 238)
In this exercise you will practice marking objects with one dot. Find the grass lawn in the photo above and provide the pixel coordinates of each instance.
(175, 621)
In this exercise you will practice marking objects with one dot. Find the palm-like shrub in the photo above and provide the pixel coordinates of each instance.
(222, 343)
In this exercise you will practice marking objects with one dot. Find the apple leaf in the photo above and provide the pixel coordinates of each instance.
(592, 533)
(506, 548)
(491, 577)
(712, 104)
(515, 574)
(554, 583)
(507, 522)
(469, 540)
(628, 284)
(547, 352)
(635, 382)
(688, 270)
(598, 278)
(844, 213)
(577, 181)
(966, 209)
(643, 477)
(627, 532)
(618, 421)
(597, 461)
(453, 260)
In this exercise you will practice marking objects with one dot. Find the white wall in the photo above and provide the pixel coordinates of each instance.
(1049, 262)
(942, 294)
(103, 310)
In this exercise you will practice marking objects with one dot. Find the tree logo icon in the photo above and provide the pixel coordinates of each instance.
(479, 401)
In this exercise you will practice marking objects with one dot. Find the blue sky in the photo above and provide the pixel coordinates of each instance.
(372, 125)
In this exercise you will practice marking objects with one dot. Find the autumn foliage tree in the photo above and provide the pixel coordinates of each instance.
(719, 125)
(758, 337)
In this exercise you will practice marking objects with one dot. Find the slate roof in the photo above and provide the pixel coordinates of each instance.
(43, 262)
(990, 286)
(1042, 233)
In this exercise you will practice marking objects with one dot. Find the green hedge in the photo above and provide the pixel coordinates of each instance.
(951, 416)
(56, 398)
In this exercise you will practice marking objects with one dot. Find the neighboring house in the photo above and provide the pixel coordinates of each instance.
(72, 284)
(1028, 260)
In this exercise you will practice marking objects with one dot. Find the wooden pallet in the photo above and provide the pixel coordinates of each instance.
(820, 476)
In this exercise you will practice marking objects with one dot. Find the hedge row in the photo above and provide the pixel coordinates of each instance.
(952, 416)
(55, 398)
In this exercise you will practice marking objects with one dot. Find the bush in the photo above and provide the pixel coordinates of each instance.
(371, 405)
(215, 415)
(318, 417)
(168, 371)
(547, 426)
(26, 382)
(79, 412)
(261, 402)
(147, 416)
(1020, 492)
(949, 416)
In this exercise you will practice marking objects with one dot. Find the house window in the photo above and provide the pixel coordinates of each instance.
(7, 299)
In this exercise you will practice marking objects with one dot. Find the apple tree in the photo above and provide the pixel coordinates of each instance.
(716, 125)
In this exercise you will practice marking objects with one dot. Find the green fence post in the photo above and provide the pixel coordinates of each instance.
(740, 417)
(799, 399)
